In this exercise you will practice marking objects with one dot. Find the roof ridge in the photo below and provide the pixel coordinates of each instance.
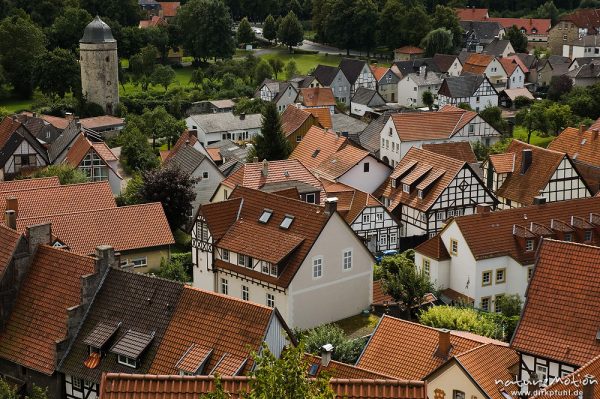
(104, 182)
(93, 210)
(146, 275)
(229, 297)
(47, 246)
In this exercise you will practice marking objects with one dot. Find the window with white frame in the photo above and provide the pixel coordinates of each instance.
(347, 259)
(500, 275)
(383, 239)
(225, 255)
(393, 238)
(317, 267)
(406, 188)
(271, 300)
(498, 303)
(587, 236)
(485, 304)
(76, 382)
(140, 262)
(426, 266)
(205, 175)
(224, 286)
(94, 167)
(245, 293)
(379, 217)
(366, 218)
(529, 245)
(529, 273)
(542, 372)
(310, 198)
(127, 361)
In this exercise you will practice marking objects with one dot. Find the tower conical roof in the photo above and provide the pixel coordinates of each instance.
(97, 31)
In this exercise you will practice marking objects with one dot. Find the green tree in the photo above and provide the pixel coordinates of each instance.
(173, 269)
(345, 350)
(66, 174)
(206, 27)
(510, 305)
(174, 189)
(522, 102)
(271, 144)
(68, 28)
(136, 152)
(269, 28)
(57, 72)
(339, 24)
(401, 280)
(163, 75)
(533, 118)
(245, 34)
(125, 12)
(364, 19)
(559, 117)
(158, 37)
(428, 99)
(276, 65)
(445, 17)
(416, 23)
(559, 86)
(517, 39)
(291, 69)
(582, 102)
(493, 116)
(22, 41)
(197, 77)
(157, 124)
(286, 377)
(462, 319)
(249, 106)
(131, 195)
(290, 31)
(141, 66)
(390, 25)
(262, 71)
(438, 41)
(547, 10)
(8, 391)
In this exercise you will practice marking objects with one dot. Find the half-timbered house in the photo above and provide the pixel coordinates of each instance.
(358, 73)
(403, 131)
(20, 151)
(425, 189)
(302, 258)
(479, 258)
(558, 329)
(526, 172)
(281, 93)
(369, 219)
(475, 90)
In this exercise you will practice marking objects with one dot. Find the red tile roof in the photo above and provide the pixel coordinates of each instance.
(439, 170)
(378, 71)
(154, 21)
(407, 350)
(565, 388)
(103, 121)
(433, 248)
(518, 60)
(380, 297)
(476, 229)
(39, 318)
(56, 121)
(532, 26)
(26, 184)
(503, 163)
(132, 386)
(124, 228)
(581, 147)
(323, 116)
(248, 205)
(487, 364)
(351, 201)
(477, 63)
(8, 244)
(342, 370)
(471, 14)
(326, 154)
(227, 325)
(82, 146)
(460, 150)
(585, 18)
(169, 8)
(7, 127)
(442, 124)
(522, 188)
(565, 280)
(409, 50)
(317, 97)
(60, 199)
(509, 65)
(292, 118)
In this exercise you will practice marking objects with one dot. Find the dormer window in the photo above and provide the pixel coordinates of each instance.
(393, 183)
(286, 222)
(529, 245)
(420, 194)
(406, 188)
(266, 215)
(568, 237)
(587, 236)
(127, 361)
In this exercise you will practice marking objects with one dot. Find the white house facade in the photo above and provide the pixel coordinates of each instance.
(476, 91)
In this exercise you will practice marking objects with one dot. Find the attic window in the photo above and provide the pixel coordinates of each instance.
(286, 222)
(420, 194)
(583, 141)
(314, 155)
(312, 371)
(406, 188)
(266, 215)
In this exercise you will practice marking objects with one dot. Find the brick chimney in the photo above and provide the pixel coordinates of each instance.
(193, 132)
(10, 218)
(242, 116)
(527, 160)
(331, 205)
(483, 208)
(12, 204)
(40, 234)
(326, 352)
(444, 345)
(595, 133)
(588, 389)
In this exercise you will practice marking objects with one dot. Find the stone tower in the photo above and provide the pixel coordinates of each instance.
(99, 65)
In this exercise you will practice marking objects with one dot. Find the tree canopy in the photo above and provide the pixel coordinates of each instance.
(290, 31)
(517, 39)
(245, 34)
(270, 144)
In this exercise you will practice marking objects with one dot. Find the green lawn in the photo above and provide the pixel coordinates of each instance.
(304, 62)
(16, 105)
(520, 132)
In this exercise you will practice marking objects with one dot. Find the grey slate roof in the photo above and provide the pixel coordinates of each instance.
(412, 66)
(558, 64)
(496, 47)
(230, 150)
(15, 139)
(225, 121)
(230, 167)
(443, 62)
(187, 159)
(529, 60)
(325, 74)
(366, 96)
(351, 68)
(41, 129)
(97, 31)
(345, 123)
(370, 137)
(427, 78)
(63, 141)
(484, 30)
(140, 303)
(586, 71)
(461, 86)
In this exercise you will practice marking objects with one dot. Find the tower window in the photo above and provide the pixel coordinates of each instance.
(107, 59)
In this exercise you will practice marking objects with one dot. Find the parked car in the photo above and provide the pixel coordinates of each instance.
(381, 254)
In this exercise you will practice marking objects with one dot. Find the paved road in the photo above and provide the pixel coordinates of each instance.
(323, 48)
